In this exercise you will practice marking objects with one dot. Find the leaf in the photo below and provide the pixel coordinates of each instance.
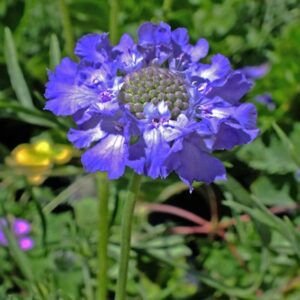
(30, 115)
(15, 73)
(86, 212)
(265, 192)
(19, 257)
(54, 53)
(287, 142)
(274, 159)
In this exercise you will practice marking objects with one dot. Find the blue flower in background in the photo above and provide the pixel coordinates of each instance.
(151, 105)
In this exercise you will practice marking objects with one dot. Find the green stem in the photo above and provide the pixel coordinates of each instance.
(67, 27)
(126, 226)
(103, 194)
(167, 7)
(113, 21)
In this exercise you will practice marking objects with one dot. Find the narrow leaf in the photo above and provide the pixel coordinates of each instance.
(15, 73)
(19, 257)
(54, 53)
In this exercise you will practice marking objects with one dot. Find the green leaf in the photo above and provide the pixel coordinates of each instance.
(265, 192)
(287, 142)
(274, 159)
(86, 212)
(54, 53)
(15, 73)
(19, 257)
(28, 115)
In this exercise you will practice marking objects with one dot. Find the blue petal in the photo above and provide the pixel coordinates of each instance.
(109, 155)
(136, 156)
(64, 96)
(200, 50)
(129, 58)
(193, 163)
(156, 152)
(219, 67)
(255, 72)
(246, 115)
(146, 33)
(84, 138)
(162, 33)
(93, 47)
(232, 89)
(231, 136)
(180, 36)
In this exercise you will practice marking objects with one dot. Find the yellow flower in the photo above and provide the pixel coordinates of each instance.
(36, 160)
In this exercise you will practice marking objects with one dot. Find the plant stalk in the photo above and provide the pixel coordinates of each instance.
(126, 226)
(113, 21)
(103, 195)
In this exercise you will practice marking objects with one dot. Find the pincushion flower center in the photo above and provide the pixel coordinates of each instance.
(153, 85)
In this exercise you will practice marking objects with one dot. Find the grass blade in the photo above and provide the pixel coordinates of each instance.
(15, 73)
(54, 53)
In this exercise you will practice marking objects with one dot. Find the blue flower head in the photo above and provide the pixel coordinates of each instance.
(152, 105)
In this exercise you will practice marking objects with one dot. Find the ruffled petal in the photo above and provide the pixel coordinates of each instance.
(93, 47)
(129, 58)
(64, 96)
(219, 67)
(163, 34)
(202, 167)
(136, 156)
(146, 33)
(109, 155)
(200, 50)
(232, 89)
(157, 150)
(180, 36)
(84, 138)
(246, 115)
(231, 135)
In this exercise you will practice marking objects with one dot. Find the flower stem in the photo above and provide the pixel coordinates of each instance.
(103, 194)
(126, 226)
(113, 21)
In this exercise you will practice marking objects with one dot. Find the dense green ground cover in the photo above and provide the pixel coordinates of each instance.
(249, 249)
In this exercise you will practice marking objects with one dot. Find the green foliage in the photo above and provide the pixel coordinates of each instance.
(258, 255)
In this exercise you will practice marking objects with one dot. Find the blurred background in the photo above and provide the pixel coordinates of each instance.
(232, 240)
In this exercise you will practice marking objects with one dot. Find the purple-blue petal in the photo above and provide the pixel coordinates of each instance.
(64, 96)
(200, 50)
(231, 135)
(232, 89)
(218, 69)
(146, 33)
(180, 36)
(156, 152)
(84, 138)
(109, 155)
(93, 47)
(255, 72)
(202, 167)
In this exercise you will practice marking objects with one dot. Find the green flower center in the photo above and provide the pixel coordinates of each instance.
(153, 85)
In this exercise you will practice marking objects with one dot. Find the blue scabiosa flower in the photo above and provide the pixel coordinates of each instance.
(152, 105)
